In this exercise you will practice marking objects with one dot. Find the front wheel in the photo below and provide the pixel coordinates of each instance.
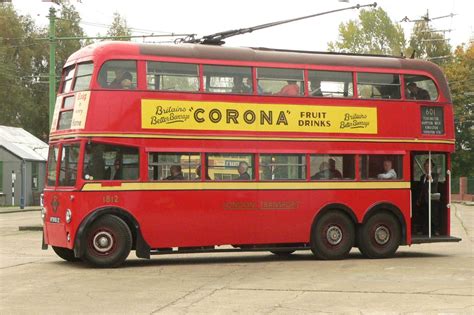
(66, 254)
(380, 236)
(332, 236)
(108, 242)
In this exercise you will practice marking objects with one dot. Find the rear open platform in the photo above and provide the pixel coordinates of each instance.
(420, 239)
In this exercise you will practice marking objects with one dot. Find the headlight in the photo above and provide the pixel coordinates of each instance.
(68, 215)
(42, 200)
(43, 213)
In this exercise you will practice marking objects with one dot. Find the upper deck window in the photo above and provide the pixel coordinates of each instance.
(378, 85)
(68, 75)
(419, 87)
(330, 84)
(118, 74)
(83, 76)
(172, 76)
(282, 82)
(223, 79)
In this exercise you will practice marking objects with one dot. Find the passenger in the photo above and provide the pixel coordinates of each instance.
(198, 173)
(176, 173)
(422, 200)
(333, 172)
(291, 89)
(243, 168)
(240, 87)
(389, 172)
(96, 167)
(323, 171)
(114, 172)
(123, 80)
(417, 93)
(316, 88)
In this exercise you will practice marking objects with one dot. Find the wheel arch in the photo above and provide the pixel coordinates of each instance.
(139, 244)
(391, 208)
(335, 206)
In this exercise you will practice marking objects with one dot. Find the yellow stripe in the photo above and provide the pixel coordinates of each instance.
(167, 185)
(205, 137)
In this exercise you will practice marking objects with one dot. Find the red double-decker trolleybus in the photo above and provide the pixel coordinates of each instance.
(199, 148)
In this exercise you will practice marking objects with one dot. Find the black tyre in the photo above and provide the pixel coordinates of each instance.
(65, 253)
(332, 236)
(380, 236)
(282, 252)
(108, 242)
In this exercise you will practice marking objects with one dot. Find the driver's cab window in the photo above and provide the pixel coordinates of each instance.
(110, 162)
(118, 75)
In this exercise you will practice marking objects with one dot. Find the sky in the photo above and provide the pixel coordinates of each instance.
(204, 17)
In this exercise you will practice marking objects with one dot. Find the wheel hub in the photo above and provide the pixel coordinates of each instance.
(382, 235)
(103, 242)
(334, 235)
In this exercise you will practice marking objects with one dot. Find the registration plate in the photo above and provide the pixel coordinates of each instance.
(54, 220)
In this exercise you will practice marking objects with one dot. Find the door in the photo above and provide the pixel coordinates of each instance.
(430, 214)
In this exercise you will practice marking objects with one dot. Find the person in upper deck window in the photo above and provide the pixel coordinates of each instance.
(123, 80)
(240, 87)
(291, 89)
(417, 93)
(389, 172)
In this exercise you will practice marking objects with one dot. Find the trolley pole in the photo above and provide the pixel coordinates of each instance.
(52, 62)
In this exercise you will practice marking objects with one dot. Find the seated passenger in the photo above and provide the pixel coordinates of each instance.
(333, 172)
(417, 93)
(176, 173)
(114, 172)
(243, 168)
(123, 80)
(389, 172)
(316, 88)
(240, 87)
(291, 89)
(323, 171)
(198, 173)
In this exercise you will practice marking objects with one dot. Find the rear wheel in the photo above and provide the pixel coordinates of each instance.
(332, 236)
(65, 253)
(380, 236)
(108, 242)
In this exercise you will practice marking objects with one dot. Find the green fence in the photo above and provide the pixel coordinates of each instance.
(470, 185)
(455, 185)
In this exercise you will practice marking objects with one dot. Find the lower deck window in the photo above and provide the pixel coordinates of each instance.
(230, 166)
(381, 167)
(332, 167)
(174, 166)
(282, 167)
(69, 160)
(110, 162)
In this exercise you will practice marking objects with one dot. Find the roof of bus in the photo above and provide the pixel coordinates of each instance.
(199, 51)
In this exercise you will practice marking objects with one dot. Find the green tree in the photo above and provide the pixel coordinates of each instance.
(119, 28)
(18, 37)
(428, 44)
(460, 73)
(373, 33)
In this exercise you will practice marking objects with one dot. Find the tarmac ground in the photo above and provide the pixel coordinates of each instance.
(428, 278)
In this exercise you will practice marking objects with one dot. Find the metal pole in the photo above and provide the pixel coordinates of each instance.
(429, 194)
(22, 184)
(52, 62)
(13, 187)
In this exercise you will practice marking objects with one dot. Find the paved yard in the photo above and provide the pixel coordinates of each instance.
(421, 278)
